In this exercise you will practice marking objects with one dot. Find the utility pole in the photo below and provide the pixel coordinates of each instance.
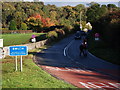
(80, 21)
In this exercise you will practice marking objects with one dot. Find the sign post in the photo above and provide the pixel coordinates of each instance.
(21, 63)
(15, 63)
(18, 51)
(1, 42)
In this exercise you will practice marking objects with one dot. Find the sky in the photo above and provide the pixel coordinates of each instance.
(76, 0)
(60, 3)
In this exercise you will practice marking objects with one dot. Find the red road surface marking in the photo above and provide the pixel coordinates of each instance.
(83, 78)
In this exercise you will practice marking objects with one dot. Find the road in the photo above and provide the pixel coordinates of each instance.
(62, 60)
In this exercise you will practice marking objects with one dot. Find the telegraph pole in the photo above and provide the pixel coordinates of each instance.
(80, 21)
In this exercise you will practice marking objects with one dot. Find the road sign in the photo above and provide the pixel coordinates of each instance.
(1, 42)
(18, 50)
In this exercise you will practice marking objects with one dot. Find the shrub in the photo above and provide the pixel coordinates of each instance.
(66, 29)
(60, 32)
(23, 26)
(52, 35)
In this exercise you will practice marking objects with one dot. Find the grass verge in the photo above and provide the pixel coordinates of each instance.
(31, 77)
(16, 39)
(103, 50)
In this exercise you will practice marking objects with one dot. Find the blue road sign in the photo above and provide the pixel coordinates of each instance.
(18, 50)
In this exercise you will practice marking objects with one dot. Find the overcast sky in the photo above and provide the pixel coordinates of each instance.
(76, 2)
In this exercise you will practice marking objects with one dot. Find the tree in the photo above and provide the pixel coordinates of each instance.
(23, 26)
(7, 11)
(111, 6)
(94, 13)
(19, 17)
(104, 9)
(34, 24)
(92, 3)
(12, 25)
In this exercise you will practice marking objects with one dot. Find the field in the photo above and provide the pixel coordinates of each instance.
(17, 39)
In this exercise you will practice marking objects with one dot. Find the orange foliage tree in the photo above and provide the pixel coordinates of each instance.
(46, 22)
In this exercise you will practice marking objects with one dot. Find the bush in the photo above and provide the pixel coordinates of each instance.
(23, 26)
(66, 29)
(112, 34)
(109, 28)
(60, 32)
(52, 35)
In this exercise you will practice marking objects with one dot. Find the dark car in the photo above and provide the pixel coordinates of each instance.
(83, 33)
(78, 35)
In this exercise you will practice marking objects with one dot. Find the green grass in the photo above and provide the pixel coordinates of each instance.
(31, 77)
(103, 50)
(17, 39)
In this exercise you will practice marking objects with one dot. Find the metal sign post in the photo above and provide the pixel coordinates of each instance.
(16, 63)
(21, 63)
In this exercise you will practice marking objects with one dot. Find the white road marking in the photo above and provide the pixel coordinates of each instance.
(67, 47)
(117, 85)
(87, 85)
(65, 51)
(96, 86)
(67, 69)
(100, 85)
(106, 86)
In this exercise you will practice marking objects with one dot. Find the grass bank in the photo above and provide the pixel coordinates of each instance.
(103, 50)
(31, 77)
(17, 39)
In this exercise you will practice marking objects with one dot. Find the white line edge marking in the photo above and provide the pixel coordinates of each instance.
(64, 51)
(67, 47)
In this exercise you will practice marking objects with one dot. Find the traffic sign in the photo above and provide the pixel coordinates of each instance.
(18, 50)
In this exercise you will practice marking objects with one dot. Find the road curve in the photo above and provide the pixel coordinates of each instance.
(62, 60)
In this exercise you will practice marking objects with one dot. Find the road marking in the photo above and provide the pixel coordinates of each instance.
(100, 85)
(87, 85)
(67, 69)
(117, 85)
(67, 47)
(64, 51)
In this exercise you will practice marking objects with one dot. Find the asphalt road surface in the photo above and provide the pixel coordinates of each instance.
(64, 62)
